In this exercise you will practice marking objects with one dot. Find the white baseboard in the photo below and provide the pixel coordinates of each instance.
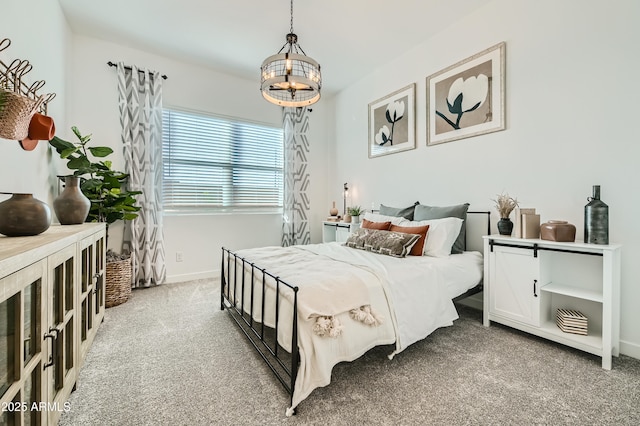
(630, 349)
(192, 276)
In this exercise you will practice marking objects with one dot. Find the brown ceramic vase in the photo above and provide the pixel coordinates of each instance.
(71, 206)
(558, 230)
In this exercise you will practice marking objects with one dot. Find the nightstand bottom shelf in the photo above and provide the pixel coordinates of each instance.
(591, 343)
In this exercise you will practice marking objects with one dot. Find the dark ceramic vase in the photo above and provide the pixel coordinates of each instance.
(22, 215)
(505, 226)
(71, 206)
(596, 219)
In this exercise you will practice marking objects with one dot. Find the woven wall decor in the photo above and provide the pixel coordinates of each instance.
(18, 100)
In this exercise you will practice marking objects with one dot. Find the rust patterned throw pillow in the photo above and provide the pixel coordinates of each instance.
(396, 244)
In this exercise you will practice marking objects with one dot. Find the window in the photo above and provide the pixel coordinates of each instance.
(216, 164)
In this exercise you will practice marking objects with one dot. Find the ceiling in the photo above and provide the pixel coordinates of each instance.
(349, 38)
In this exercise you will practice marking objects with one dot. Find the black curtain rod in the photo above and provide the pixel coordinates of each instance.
(111, 64)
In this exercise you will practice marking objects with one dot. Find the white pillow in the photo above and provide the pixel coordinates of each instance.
(441, 235)
(375, 217)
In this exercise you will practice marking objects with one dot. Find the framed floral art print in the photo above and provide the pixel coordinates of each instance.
(392, 125)
(467, 98)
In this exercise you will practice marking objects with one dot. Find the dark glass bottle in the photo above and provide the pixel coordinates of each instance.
(596, 219)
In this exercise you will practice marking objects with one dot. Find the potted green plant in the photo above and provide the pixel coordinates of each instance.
(355, 213)
(110, 202)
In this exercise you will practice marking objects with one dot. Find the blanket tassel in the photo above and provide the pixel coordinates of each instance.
(327, 326)
(367, 315)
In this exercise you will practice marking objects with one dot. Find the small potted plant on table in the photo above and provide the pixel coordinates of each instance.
(355, 213)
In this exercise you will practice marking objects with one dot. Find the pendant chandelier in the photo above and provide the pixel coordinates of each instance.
(291, 79)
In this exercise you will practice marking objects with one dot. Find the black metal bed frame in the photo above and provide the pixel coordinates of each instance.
(283, 364)
(264, 339)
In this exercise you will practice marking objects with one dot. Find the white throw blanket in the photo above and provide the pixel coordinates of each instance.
(415, 287)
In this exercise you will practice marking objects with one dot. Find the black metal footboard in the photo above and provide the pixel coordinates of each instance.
(233, 296)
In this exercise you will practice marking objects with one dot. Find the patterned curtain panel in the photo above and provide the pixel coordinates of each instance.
(295, 222)
(140, 103)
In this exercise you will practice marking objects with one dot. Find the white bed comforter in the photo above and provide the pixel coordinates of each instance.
(409, 294)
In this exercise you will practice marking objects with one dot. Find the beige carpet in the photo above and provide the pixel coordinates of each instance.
(170, 357)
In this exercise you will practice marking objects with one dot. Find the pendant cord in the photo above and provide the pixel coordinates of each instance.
(291, 27)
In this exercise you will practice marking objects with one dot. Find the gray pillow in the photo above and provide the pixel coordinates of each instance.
(406, 212)
(423, 212)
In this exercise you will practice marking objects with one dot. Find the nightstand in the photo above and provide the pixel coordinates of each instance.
(526, 281)
(337, 231)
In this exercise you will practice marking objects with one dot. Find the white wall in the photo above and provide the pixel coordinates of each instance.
(43, 39)
(94, 109)
(571, 99)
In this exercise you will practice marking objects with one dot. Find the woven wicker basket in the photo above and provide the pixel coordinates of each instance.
(118, 282)
(16, 115)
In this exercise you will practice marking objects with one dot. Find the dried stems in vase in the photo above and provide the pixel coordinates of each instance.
(505, 205)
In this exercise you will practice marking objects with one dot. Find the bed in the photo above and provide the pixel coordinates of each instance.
(278, 296)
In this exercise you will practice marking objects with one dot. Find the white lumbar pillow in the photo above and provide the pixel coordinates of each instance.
(441, 235)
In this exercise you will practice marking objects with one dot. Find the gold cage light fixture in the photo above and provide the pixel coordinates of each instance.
(291, 79)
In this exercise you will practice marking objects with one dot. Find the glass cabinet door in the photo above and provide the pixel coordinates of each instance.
(99, 276)
(61, 332)
(91, 291)
(22, 349)
(9, 333)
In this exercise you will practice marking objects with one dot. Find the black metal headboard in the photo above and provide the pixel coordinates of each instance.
(478, 224)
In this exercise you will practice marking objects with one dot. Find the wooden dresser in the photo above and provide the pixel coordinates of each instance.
(51, 304)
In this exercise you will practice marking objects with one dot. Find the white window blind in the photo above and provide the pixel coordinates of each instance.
(216, 164)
